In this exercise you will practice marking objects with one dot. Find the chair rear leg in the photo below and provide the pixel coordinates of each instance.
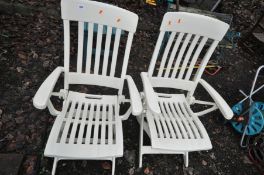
(186, 159)
(55, 162)
(113, 166)
(141, 141)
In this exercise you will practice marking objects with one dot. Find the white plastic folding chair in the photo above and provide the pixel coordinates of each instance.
(167, 119)
(89, 126)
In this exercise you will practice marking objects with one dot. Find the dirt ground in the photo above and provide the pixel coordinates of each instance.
(31, 46)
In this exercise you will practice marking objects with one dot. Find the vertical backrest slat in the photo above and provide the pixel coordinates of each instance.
(89, 47)
(195, 57)
(98, 48)
(194, 33)
(173, 53)
(66, 25)
(80, 46)
(180, 55)
(155, 53)
(187, 57)
(101, 30)
(126, 56)
(115, 51)
(205, 60)
(127, 52)
(107, 49)
(165, 54)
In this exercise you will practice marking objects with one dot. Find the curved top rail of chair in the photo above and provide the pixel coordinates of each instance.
(97, 12)
(194, 24)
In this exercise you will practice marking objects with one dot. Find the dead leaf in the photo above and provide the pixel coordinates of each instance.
(146, 171)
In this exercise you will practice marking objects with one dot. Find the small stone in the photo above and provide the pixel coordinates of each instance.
(84, 164)
(9, 136)
(130, 156)
(26, 98)
(19, 120)
(246, 160)
(19, 69)
(204, 162)
(131, 171)
(188, 170)
(45, 64)
(213, 156)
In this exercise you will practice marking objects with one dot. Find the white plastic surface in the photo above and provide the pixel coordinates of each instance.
(194, 24)
(220, 102)
(98, 12)
(150, 96)
(43, 94)
(136, 104)
(88, 127)
(178, 61)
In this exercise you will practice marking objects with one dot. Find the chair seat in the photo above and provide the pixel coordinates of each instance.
(177, 128)
(88, 127)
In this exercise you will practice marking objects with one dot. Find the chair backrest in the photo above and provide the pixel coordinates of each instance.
(101, 69)
(183, 36)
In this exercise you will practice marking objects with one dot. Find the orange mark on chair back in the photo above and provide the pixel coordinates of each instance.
(179, 21)
(101, 12)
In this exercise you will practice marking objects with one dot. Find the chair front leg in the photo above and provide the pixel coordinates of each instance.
(186, 159)
(141, 140)
(113, 165)
(55, 162)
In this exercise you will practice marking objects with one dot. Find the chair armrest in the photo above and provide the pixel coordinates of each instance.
(220, 102)
(43, 94)
(135, 99)
(150, 96)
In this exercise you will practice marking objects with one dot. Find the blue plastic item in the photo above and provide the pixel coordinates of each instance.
(255, 121)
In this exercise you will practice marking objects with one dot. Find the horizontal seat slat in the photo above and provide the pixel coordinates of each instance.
(186, 132)
(83, 124)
